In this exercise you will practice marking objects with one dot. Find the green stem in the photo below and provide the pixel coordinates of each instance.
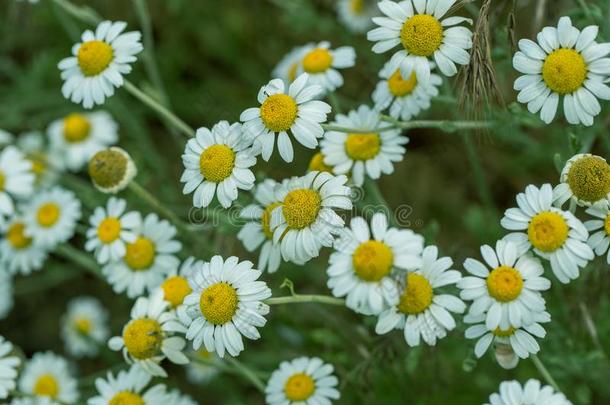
(81, 13)
(249, 374)
(158, 206)
(479, 175)
(372, 191)
(334, 102)
(305, 298)
(443, 125)
(545, 373)
(79, 257)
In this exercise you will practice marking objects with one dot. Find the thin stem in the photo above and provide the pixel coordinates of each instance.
(79, 257)
(591, 329)
(305, 298)
(334, 102)
(372, 191)
(247, 373)
(444, 125)
(82, 13)
(337, 128)
(158, 206)
(545, 373)
(479, 175)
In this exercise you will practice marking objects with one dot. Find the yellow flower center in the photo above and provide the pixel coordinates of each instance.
(48, 214)
(16, 236)
(504, 332)
(140, 254)
(216, 163)
(175, 289)
(356, 6)
(266, 219)
(372, 260)
(218, 303)
(107, 167)
(299, 387)
(317, 60)
(589, 178)
(421, 35)
(109, 230)
(400, 87)
(362, 146)
(504, 283)
(607, 225)
(417, 295)
(76, 128)
(279, 112)
(38, 167)
(292, 72)
(301, 208)
(46, 386)
(2, 180)
(94, 57)
(126, 398)
(547, 231)
(143, 338)
(564, 71)
(317, 164)
(82, 325)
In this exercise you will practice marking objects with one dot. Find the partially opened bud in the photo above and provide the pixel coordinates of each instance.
(506, 357)
(111, 170)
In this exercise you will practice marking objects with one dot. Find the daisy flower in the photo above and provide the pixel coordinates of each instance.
(148, 259)
(111, 229)
(16, 179)
(296, 112)
(555, 235)
(585, 180)
(356, 14)
(418, 26)
(321, 63)
(51, 217)
(128, 387)
(6, 293)
(316, 164)
(258, 232)
(366, 261)
(99, 63)
(287, 68)
(84, 327)
(217, 162)
(47, 376)
(18, 252)
(176, 286)
(201, 372)
(46, 163)
(8, 368)
(565, 62)
(302, 380)
(369, 153)
(599, 228)
(406, 98)
(225, 304)
(419, 310)
(111, 170)
(533, 393)
(148, 338)
(306, 220)
(506, 287)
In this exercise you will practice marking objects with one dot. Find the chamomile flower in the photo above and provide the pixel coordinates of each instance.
(533, 393)
(321, 64)
(111, 170)
(258, 231)
(288, 67)
(77, 137)
(16, 179)
(565, 62)
(304, 380)
(509, 293)
(599, 229)
(316, 164)
(84, 327)
(51, 216)
(356, 14)
(98, 63)
(418, 26)
(198, 372)
(369, 152)
(365, 262)
(6, 293)
(419, 310)
(111, 229)
(148, 259)
(47, 376)
(176, 286)
(406, 98)
(129, 388)
(217, 162)
(18, 252)
(555, 235)
(306, 220)
(8, 368)
(46, 162)
(585, 180)
(149, 337)
(297, 112)
(225, 304)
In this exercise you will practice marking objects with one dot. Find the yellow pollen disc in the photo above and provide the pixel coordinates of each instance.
(140, 254)
(2, 181)
(175, 289)
(421, 35)
(46, 386)
(362, 146)
(38, 167)
(216, 163)
(48, 214)
(299, 387)
(417, 296)
(317, 61)
(94, 57)
(266, 219)
(76, 128)
(292, 72)
(218, 303)
(400, 87)
(372, 260)
(504, 283)
(607, 225)
(109, 230)
(357, 6)
(317, 164)
(82, 325)
(547, 231)
(16, 236)
(143, 338)
(126, 398)
(504, 332)
(301, 208)
(279, 112)
(107, 168)
(564, 71)
(589, 178)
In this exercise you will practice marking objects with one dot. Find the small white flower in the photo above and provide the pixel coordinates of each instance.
(47, 376)
(356, 14)
(128, 387)
(16, 179)
(47, 163)
(533, 393)
(84, 327)
(321, 64)
(176, 286)
(288, 67)
(8, 368)
(18, 252)
(585, 180)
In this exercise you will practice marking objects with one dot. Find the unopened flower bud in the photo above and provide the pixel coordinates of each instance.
(111, 170)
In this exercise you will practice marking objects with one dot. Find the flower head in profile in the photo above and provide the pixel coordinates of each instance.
(111, 170)
(321, 62)
(532, 393)
(47, 377)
